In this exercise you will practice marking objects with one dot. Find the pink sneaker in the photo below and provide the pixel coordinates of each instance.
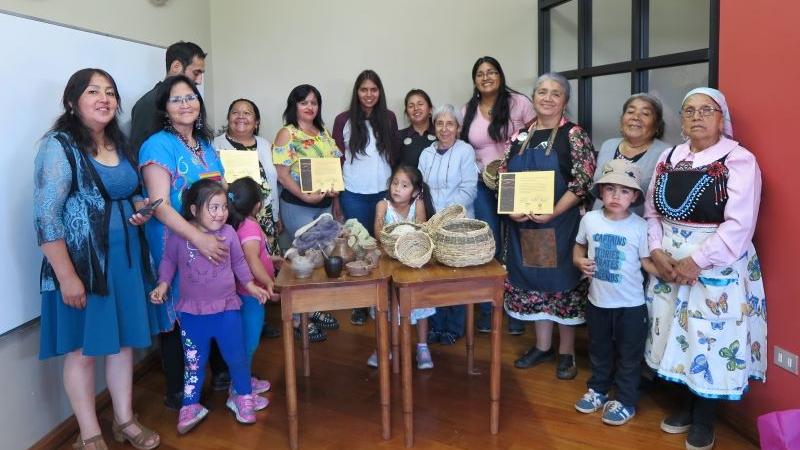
(259, 386)
(190, 416)
(260, 402)
(243, 407)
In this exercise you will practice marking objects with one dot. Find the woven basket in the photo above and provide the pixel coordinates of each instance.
(452, 212)
(414, 249)
(464, 242)
(388, 239)
(490, 175)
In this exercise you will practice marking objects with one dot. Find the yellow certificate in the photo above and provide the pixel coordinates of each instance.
(526, 192)
(240, 164)
(321, 174)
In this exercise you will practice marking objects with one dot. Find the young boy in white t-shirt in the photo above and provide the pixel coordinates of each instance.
(616, 240)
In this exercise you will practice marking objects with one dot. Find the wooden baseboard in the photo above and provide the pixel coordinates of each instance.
(746, 426)
(67, 429)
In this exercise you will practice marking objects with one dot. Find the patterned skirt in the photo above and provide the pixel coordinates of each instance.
(564, 307)
(711, 336)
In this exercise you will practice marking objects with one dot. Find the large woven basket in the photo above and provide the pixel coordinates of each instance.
(463, 242)
(414, 249)
(449, 213)
(388, 239)
(490, 174)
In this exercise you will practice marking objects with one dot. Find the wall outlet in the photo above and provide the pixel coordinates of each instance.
(785, 359)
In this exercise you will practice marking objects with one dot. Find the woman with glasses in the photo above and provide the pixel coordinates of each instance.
(178, 153)
(493, 114)
(707, 307)
(641, 126)
(448, 167)
(543, 286)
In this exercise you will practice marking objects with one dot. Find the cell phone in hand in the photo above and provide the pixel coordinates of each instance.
(148, 210)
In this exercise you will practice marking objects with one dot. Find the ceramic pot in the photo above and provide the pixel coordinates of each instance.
(302, 266)
(342, 250)
(333, 266)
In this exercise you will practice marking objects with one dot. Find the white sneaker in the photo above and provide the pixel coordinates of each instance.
(372, 361)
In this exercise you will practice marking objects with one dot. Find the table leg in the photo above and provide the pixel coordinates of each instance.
(494, 374)
(394, 313)
(291, 381)
(408, 394)
(306, 356)
(382, 331)
(471, 339)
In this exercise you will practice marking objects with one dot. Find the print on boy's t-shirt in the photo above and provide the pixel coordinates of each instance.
(608, 257)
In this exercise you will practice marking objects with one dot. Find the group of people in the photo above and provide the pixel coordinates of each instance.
(676, 284)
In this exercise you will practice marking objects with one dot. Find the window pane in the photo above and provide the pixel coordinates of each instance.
(564, 37)
(608, 94)
(670, 85)
(678, 25)
(611, 32)
(572, 105)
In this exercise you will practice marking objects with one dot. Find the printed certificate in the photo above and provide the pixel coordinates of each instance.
(526, 192)
(321, 174)
(240, 164)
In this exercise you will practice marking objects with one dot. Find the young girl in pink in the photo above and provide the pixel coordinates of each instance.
(244, 204)
(209, 307)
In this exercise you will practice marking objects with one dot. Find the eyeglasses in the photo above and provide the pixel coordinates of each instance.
(705, 111)
(177, 99)
(487, 74)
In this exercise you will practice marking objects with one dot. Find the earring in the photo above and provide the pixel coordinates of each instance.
(167, 122)
(198, 124)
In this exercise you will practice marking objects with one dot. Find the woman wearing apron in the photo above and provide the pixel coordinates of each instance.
(543, 285)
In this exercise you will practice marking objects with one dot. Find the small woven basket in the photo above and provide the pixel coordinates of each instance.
(388, 239)
(449, 213)
(414, 249)
(490, 174)
(464, 242)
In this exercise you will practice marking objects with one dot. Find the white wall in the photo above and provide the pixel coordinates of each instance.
(261, 50)
(34, 401)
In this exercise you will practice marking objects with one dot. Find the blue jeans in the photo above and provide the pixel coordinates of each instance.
(361, 207)
(295, 216)
(253, 314)
(197, 331)
(450, 319)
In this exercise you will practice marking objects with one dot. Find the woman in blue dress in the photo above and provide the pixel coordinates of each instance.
(178, 153)
(94, 298)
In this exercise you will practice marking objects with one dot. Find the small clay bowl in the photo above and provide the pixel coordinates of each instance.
(358, 268)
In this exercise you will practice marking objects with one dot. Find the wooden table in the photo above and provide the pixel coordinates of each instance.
(320, 293)
(435, 285)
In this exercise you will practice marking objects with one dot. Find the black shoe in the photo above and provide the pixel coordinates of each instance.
(359, 316)
(700, 437)
(533, 357)
(566, 369)
(315, 333)
(516, 327)
(324, 320)
(434, 337)
(677, 423)
(270, 332)
(484, 323)
(221, 381)
(174, 401)
(447, 338)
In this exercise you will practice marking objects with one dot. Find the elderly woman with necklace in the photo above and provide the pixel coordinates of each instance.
(707, 308)
(641, 126)
(543, 286)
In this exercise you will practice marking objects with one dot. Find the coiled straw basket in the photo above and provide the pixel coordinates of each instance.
(388, 239)
(463, 242)
(449, 213)
(414, 249)
(490, 175)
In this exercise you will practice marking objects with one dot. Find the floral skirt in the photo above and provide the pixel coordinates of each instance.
(709, 336)
(564, 307)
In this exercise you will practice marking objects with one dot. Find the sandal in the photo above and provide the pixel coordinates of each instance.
(140, 440)
(96, 442)
(315, 333)
(324, 320)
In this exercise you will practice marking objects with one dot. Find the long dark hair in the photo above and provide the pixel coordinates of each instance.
(256, 112)
(425, 97)
(501, 110)
(160, 122)
(198, 194)
(378, 119)
(243, 195)
(423, 191)
(298, 94)
(70, 123)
